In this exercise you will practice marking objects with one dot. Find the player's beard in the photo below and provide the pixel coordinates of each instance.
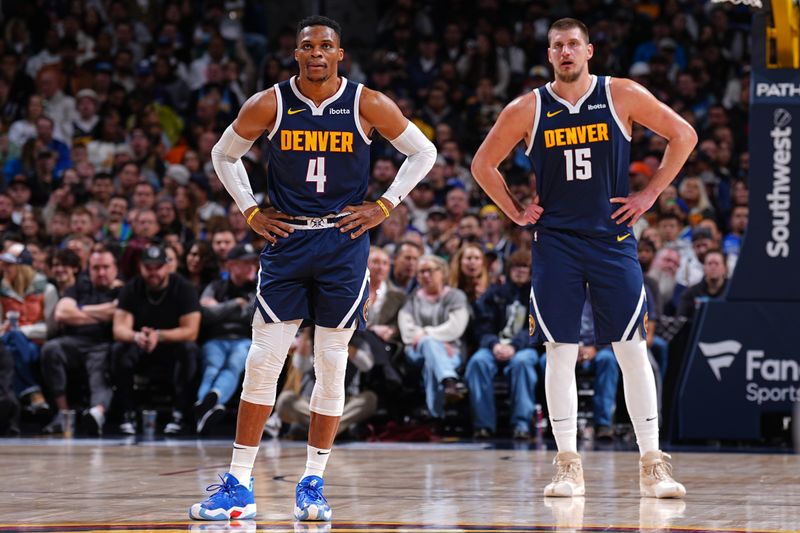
(569, 77)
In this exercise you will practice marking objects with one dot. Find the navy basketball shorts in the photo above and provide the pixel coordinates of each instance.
(315, 274)
(563, 264)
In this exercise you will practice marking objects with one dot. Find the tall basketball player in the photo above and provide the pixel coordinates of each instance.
(315, 267)
(578, 131)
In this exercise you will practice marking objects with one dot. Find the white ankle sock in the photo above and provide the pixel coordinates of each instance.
(242, 461)
(316, 460)
(640, 391)
(562, 394)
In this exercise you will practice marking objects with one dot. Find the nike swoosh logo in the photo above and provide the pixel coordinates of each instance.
(235, 447)
(323, 453)
(551, 114)
(295, 111)
(560, 419)
(621, 238)
(650, 419)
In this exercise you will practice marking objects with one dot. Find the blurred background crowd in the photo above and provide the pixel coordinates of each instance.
(128, 273)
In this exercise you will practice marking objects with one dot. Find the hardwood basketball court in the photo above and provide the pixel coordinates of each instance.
(51, 485)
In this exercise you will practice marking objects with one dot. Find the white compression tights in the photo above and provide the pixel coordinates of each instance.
(638, 380)
(561, 390)
(640, 391)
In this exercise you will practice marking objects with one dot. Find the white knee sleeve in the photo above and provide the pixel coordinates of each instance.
(561, 390)
(330, 363)
(265, 359)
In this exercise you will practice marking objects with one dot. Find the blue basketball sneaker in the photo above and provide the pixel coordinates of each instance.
(230, 501)
(310, 504)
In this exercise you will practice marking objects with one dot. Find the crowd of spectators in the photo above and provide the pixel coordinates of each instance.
(123, 256)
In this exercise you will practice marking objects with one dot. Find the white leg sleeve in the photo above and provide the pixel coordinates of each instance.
(640, 391)
(330, 363)
(561, 389)
(266, 358)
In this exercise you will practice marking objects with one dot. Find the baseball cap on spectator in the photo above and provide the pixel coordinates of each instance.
(201, 181)
(20, 179)
(455, 183)
(17, 254)
(143, 68)
(242, 252)
(539, 71)
(640, 68)
(701, 233)
(489, 209)
(638, 167)
(425, 182)
(103, 66)
(437, 211)
(86, 93)
(153, 255)
(179, 174)
(668, 44)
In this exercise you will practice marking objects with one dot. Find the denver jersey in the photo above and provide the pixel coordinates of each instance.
(319, 157)
(581, 155)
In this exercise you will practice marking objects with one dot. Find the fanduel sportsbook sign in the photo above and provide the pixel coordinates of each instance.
(769, 264)
(741, 364)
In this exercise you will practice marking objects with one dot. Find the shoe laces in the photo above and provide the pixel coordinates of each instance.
(225, 488)
(311, 493)
(660, 470)
(567, 471)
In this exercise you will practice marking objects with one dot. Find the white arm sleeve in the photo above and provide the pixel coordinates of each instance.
(227, 159)
(421, 156)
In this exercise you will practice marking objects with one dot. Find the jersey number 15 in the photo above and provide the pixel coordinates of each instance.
(579, 163)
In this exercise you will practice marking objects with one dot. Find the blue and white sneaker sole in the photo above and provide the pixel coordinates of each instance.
(312, 513)
(197, 512)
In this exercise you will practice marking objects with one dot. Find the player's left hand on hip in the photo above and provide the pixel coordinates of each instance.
(529, 215)
(633, 207)
(361, 218)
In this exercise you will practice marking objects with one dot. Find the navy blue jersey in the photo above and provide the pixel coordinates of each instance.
(581, 156)
(319, 157)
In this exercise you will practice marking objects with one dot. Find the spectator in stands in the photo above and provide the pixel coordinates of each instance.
(228, 307)
(502, 330)
(85, 314)
(64, 266)
(199, 266)
(222, 242)
(156, 325)
(664, 271)
(468, 271)
(27, 305)
(404, 269)
(432, 323)
(691, 269)
(713, 284)
(732, 245)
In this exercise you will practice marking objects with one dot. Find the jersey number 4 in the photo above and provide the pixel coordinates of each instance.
(316, 173)
(579, 163)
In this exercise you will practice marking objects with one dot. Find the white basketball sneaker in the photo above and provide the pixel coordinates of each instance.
(568, 480)
(655, 477)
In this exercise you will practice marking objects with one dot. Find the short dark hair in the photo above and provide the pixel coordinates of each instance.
(568, 24)
(319, 20)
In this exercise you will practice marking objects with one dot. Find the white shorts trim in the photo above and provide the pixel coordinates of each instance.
(349, 314)
(635, 316)
(539, 317)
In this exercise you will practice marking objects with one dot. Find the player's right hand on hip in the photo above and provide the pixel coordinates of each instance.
(269, 224)
(529, 215)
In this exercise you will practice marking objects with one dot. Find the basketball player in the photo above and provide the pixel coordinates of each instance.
(315, 264)
(578, 130)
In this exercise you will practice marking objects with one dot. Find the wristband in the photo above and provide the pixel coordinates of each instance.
(251, 215)
(383, 207)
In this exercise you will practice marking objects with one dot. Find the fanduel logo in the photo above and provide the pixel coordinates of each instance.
(595, 106)
(339, 111)
(777, 89)
(780, 199)
(719, 355)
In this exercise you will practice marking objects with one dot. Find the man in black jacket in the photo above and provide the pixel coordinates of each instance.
(227, 314)
(503, 331)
